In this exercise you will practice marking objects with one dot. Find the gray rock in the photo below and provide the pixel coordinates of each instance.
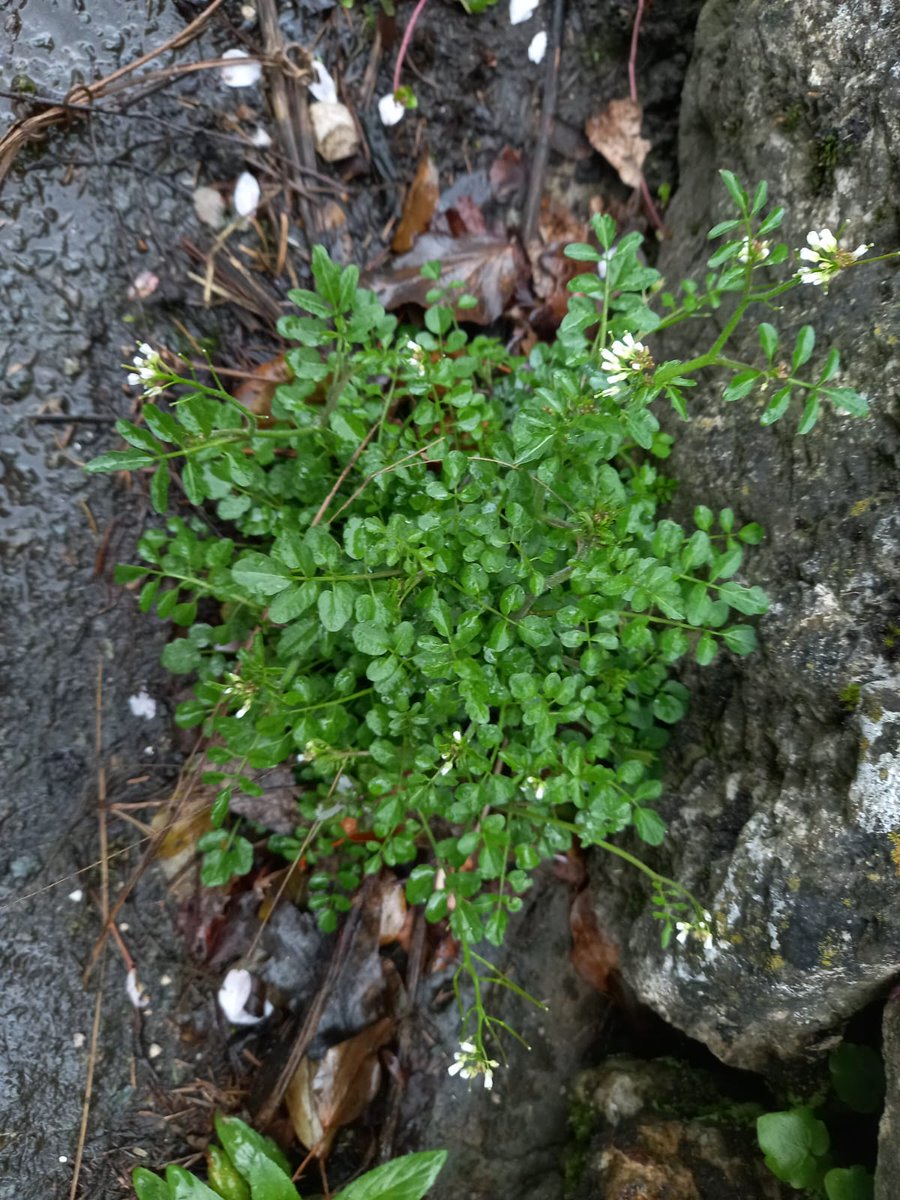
(783, 804)
(663, 1130)
(887, 1176)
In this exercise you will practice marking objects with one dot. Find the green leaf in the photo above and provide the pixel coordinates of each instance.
(192, 481)
(777, 406)
(723, 227)
(847, 400)
(759, 198)
(810, 415)
(771, 222)
(857, 1074)
(148, 1186)
(258, 1159)
(135, 436)
(849, 1183)
(803, 346)
(707, 649)
(751, 601)
(183, 1185)
(159, 489)
(371, 638)
(224, 1177)
(406, 1178)
(791, 1141)
(119, 460)
(126, 573)
(740, 639)
(768, 339)
(650, 826)
(336, 606)
(260, 575)
(582, 252)
(163, 424)
(734, 189)
(742, 383)
(181, 656)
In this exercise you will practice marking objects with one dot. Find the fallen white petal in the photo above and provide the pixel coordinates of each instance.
(142, 705)
(260, 137)
(240, 74)
(390, 110)
(154, 1050)
(324, 88)
(538, 47)
(77, 895)
(78, 1040)
(233, 996)
(521, 10)
(246, 194)
(135, 989)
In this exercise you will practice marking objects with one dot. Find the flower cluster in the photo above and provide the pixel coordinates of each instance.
(239, 689)
(754, 250)
(449, 756)
(149, 371)
(826, 257)
(701, 928)
(469, 1063)
(625, 361)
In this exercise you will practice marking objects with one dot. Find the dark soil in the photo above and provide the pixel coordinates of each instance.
(81, 215)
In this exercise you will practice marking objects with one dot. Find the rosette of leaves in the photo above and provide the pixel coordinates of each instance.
(248, 1166)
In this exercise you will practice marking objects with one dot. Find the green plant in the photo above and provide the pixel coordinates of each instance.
(248, 1166)
(797, 1143)
(447, 590)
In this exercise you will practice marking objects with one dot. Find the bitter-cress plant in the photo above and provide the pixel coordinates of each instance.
(446, 592)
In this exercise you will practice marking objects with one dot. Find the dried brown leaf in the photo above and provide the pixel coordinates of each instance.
(418, 208)
(489, 268)
(330, 1093)
(595, 956)
(466, 217)
(256, 393)
(615, 132)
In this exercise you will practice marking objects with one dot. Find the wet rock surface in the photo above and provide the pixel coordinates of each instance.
(782, 790)
(663, 1130)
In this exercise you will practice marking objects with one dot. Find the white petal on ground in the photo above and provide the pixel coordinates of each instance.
(390, 110)
(142, 705)
(246, 194)
(521, 10)
(538, 47)
(261, 137)
(239, 73)
(76, 896)
(209, 207)
(324, 87)
(136, 992)
(233, 996)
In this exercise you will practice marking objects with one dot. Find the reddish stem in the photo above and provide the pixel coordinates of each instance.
(404, 45)
(632, 57)
(652, 212)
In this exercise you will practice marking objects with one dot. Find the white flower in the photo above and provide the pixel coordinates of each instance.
(537, 786)
(521, 10)
(684, 931)
(246, 194)
(324, 88)
(240, 74)
(826, 257)
(416, 356)
(149, 370)
(538, 47)
(625, 360)
(446, 768)
(390, 109)
(235, 992)
(457, 736)
(468, 1063)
